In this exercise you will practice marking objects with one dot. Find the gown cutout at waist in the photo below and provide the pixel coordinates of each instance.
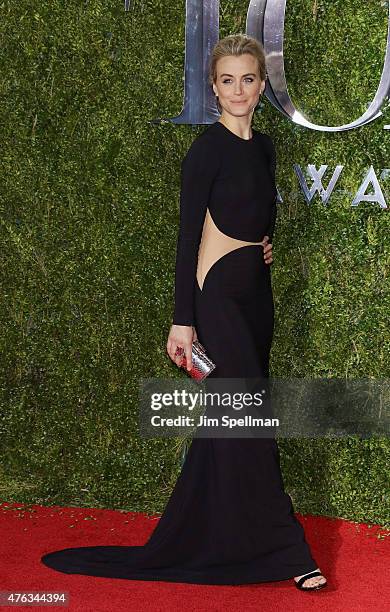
(214, 245)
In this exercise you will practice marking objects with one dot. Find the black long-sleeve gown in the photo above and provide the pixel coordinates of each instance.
(228, 520)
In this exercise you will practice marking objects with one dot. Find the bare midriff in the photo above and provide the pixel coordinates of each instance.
(214, 244)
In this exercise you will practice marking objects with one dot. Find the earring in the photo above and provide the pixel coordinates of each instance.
(219, 107)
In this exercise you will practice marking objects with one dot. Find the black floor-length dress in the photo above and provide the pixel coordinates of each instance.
(228, 520)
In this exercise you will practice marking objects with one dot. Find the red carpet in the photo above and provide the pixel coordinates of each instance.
(354, 557)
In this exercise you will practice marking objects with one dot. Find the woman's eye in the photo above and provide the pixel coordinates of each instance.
(250, 79)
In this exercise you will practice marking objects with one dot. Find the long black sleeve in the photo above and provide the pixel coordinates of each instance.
(271, 152)
(198, 171)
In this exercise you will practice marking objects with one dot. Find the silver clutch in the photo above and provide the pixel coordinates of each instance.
(202, 365)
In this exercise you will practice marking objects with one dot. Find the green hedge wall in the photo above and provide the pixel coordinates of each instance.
(89, 217)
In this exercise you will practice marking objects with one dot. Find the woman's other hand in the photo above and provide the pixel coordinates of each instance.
(181, 336)
(267, 250)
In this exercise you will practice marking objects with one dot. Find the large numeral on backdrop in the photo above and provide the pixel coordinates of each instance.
(265, 21)
(201, 34)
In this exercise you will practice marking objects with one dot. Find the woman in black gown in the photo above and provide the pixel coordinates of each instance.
(228, 520)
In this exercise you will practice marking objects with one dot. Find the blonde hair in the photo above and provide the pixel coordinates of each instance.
(237, 44)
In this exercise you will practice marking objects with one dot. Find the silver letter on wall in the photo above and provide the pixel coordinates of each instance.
(265, 21)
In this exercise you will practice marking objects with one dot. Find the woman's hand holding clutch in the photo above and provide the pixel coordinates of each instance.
(181, 336)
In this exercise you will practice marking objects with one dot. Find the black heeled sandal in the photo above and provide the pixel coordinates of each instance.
(299, 583)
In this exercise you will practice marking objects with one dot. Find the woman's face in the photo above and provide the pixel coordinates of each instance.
(238, 84)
